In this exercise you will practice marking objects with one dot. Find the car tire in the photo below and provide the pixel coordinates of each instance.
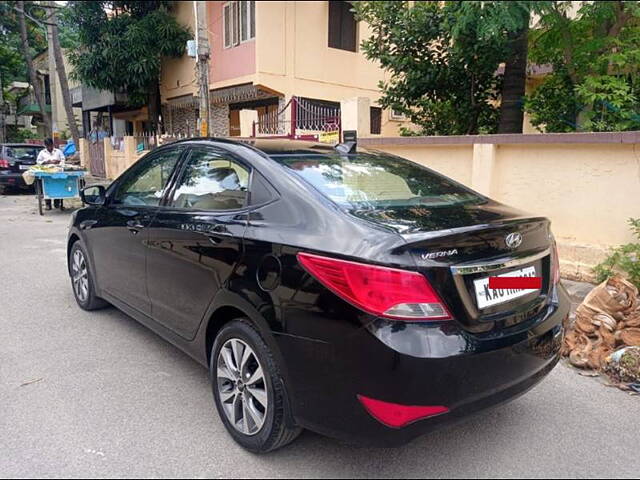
(256, 414)
(82, 279)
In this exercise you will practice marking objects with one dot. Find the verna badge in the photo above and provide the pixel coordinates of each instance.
(513, 240)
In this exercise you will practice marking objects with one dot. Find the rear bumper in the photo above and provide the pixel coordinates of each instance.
(444, 366)
(12, 179)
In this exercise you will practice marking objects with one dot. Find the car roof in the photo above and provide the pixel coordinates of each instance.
(289, 147)
(270, 146)
(21, 145)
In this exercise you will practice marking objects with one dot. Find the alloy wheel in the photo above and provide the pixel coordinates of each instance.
(242, 388)
(80, 276)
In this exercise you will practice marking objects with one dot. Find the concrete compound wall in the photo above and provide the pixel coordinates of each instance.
(588, 185)
(117, 161)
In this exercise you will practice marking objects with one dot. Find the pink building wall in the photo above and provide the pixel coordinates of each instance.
(227, 63)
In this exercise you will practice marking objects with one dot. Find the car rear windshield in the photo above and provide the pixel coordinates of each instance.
(22, 153)
(365, 180)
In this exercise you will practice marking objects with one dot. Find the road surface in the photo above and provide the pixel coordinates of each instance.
(98, 395)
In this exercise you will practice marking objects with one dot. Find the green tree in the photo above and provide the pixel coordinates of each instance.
(595, 54)
(69, 33)
(443, 58)
(13, 66)
(505, 23)
(624, 259)
(33, 78)
(552, 106)
(444, 87)
(121, 45)
(12, 62)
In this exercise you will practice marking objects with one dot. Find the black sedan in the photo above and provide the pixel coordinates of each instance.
(15, 158)
(328, 288)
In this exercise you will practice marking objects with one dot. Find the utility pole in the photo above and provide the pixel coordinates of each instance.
(202, 65)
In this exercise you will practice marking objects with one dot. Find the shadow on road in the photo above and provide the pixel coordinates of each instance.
(26, 199)
(16, 192)
(333, 456)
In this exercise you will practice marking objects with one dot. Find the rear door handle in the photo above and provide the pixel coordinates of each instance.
(213, 238)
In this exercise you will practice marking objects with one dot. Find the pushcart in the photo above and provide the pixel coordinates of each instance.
(58, 186)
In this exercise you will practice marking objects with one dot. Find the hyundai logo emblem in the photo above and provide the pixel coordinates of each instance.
(513, 240)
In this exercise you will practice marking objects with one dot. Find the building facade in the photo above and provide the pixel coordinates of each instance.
(294, 64)
(46, 72)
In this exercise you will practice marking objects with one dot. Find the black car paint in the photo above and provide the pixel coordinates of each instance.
(329, 350)
(12, 176)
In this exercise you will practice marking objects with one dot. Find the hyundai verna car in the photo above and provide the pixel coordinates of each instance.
(325, 288)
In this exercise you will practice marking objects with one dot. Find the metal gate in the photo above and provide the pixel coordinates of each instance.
(301, 119)
(96, 156)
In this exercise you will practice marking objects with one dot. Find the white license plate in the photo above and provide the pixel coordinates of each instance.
(24, 167)
(488, 297)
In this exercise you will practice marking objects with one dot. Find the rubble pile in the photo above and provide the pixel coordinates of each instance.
(608, 320)
(623, 366)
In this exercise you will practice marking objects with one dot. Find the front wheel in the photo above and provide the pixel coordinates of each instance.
(82, 279)
(248, 389)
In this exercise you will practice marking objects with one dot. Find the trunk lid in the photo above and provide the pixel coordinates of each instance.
(458, 249)
(20, 157)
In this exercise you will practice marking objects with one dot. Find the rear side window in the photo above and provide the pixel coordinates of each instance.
(22, 153)
(372, 181)
(261, 191)
(212, 181)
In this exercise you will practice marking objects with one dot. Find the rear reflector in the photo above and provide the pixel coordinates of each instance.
(381, 291)
(398, 416)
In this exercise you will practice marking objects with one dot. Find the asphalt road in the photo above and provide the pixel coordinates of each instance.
(97, 395)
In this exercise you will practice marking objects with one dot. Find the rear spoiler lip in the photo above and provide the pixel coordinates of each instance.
(435, 234)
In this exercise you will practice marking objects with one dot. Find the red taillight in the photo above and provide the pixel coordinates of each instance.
(382, 291)
(398, 416)
(4, 163)
(555, 263)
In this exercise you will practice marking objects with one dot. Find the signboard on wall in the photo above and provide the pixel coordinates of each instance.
(329, 137)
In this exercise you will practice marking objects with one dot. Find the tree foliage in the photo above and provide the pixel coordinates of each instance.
(443, 62)
(121, 45)
(443, 59)
(13, 66)
(624, 259)
(551, 108)
(595, 54)
(12, 62)
(443, 86)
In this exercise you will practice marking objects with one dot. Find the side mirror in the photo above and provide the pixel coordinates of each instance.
(93, 195)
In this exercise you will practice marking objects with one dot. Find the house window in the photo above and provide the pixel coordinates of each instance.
(375, 117)
(239, 24)
(397, 115)
(343, 28)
